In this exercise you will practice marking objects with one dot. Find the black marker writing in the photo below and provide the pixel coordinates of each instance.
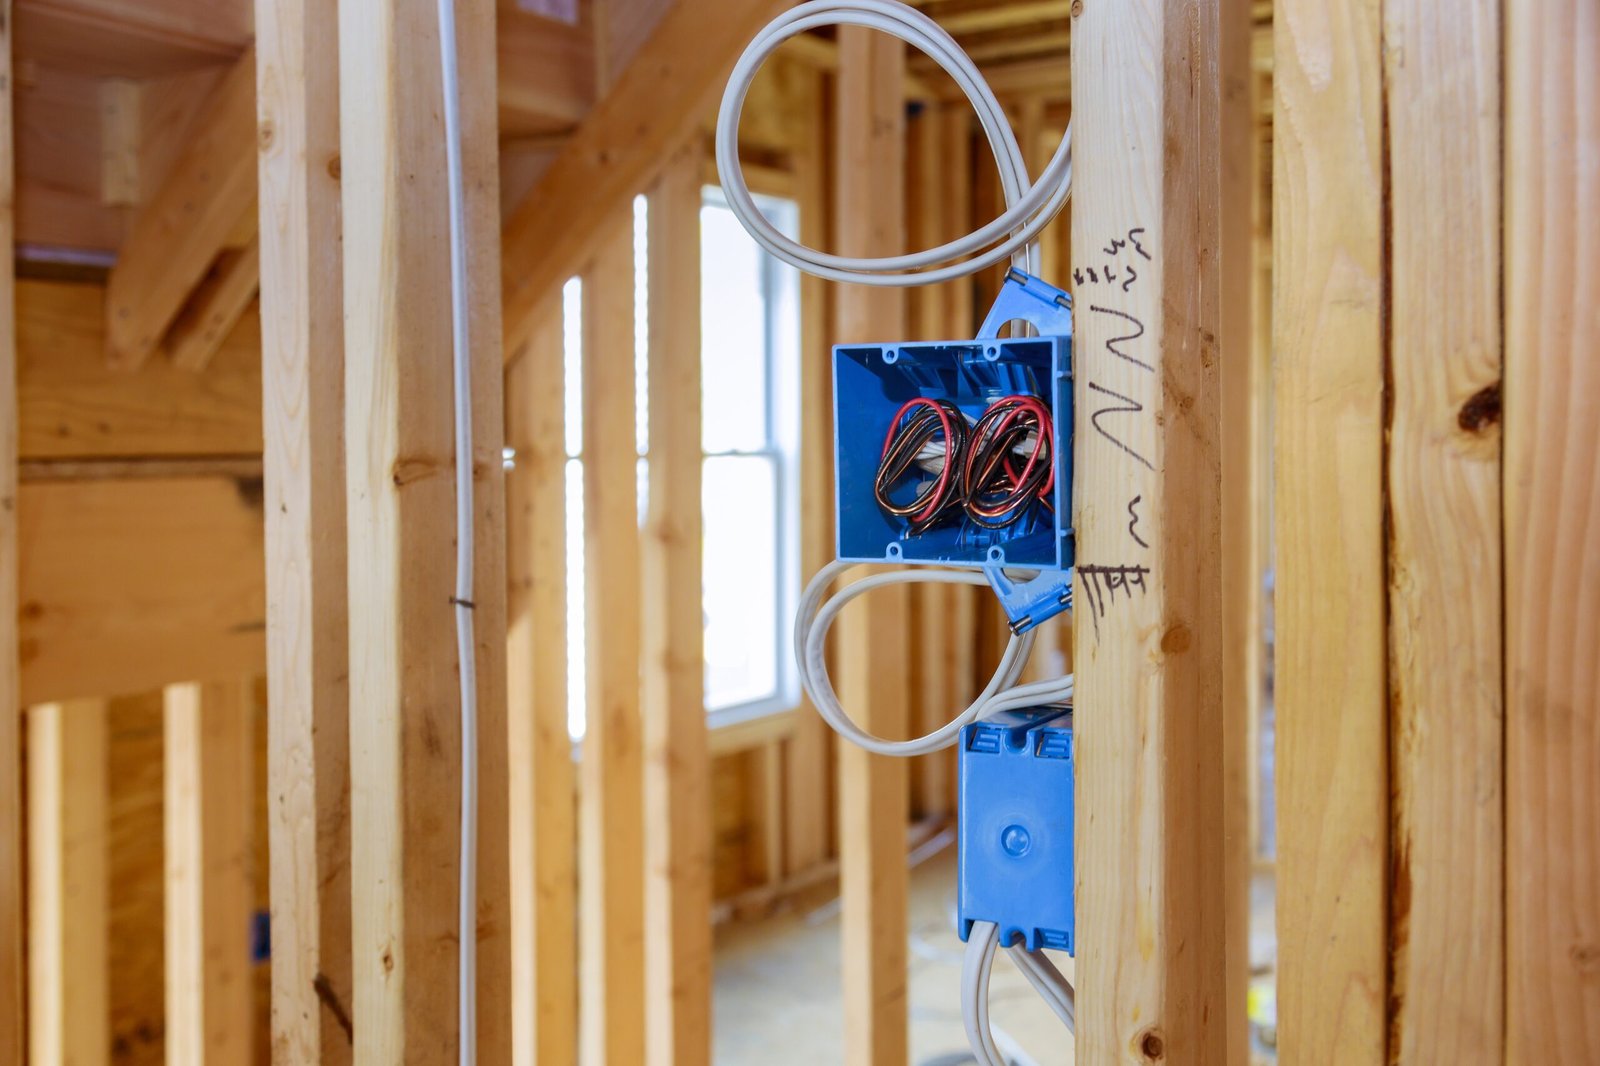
(1133, 407)
(1111, 345)
(1133, 520)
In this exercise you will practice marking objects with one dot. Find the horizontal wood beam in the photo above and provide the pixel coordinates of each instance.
(130, 585)
(185, 224)
(73, 406)
(132, 38)
(546, 73)
(663, 96)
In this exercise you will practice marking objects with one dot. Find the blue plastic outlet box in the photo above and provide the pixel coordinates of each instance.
(1016, 828)
(872, 381)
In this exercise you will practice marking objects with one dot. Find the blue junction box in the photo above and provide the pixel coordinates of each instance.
(1016, 828)
(872, 381)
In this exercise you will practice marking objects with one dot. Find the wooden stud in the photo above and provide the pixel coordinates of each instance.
(13, 1018)
(1152, 885)
(405, 734)
(611, 777)
(544, 916)
(208, 810)
(1552, 578)
(873, 645)
(1333, 738)
(1244, 378)
(677, 765)
(177, 234)
(807, 781)
(69, 1015)
(301, 275)
(1447, 841)
(216, 308)
(655, 104)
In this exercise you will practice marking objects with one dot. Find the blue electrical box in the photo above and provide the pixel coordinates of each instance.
(873, 381)
(1016, 828)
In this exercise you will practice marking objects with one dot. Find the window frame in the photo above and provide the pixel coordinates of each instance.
(781, 354)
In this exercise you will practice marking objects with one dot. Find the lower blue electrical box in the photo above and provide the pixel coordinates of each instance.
(1016, 828)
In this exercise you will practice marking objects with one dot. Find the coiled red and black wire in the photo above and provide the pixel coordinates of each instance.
(990, 471)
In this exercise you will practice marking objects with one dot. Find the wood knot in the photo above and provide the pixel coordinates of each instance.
(1151, 1045)
(335, 167)
(1077, 8)
(266, 134)
(1481, 410)
(1176, 639)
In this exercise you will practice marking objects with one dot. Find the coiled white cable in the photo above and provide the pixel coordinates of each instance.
(1029, 207)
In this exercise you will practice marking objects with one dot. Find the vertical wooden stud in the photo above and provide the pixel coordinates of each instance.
(543, 801)
(1152, 884)
(13, 1020)
(1552, 522)
(1243, 498)
(208, 807)
(677, 782)
(873, 645)
(405, 731)
(69, 1016)
(807, 786)
(308, 662)
(611, 786)
(1332, 753)
(1447, 842)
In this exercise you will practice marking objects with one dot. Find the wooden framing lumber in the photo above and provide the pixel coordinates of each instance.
(405, 731)
(13, 1017)
(178, 233)
(1245, 379)
(132, 584)
(1332, 707)
(301, 272)
(677, 764)
(611, 775)
(216, 307)
(665, 93)
(1446, 719)
(69, 1014)
(1148, 209)
(544, 842)
(873, 644)
(75, 407)
(807, 780)
(1552, 578)
(208, 809)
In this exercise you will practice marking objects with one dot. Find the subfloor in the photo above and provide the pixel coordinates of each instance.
(777, 985)
(777, 988)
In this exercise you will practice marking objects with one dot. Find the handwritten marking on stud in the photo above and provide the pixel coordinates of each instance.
(1102, 583)
(1133, 407)
(1133, 520)
(1133, 235)
(1111, 345)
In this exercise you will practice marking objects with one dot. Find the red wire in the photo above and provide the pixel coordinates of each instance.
(944, 472)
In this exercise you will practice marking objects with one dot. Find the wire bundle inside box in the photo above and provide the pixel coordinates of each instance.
(939, 467)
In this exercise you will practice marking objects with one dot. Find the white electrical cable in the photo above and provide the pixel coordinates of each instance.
(977, 967)
(466, 651)
(810, 645)
(1029, 207)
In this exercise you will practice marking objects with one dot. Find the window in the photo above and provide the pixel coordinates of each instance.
(750, 418)
(750, 438)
